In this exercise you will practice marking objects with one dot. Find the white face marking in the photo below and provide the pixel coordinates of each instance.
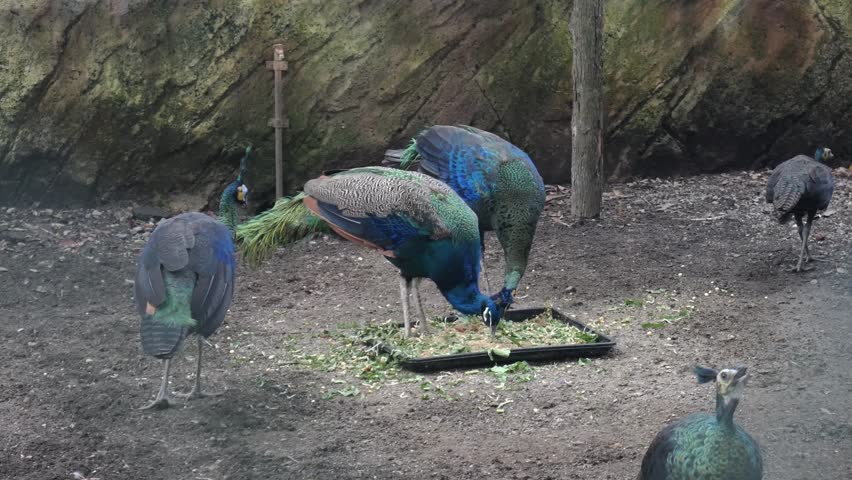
(486, 316)
(727, 388)
(726, 375)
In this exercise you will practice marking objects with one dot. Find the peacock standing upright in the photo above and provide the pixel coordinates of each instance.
(707, 447)
(495, 178)
(418, 223)
(801, 186)
(185, 281)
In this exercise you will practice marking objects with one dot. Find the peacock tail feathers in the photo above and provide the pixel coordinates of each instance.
(287, 221)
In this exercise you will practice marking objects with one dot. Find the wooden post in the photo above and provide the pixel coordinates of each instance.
(587, 176)
(278, 122)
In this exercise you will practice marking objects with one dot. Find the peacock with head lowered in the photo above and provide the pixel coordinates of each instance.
(185, 281)
(707, 447)
(496, 179)
(418, 223)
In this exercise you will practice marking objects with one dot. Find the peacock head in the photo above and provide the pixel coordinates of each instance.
(491, 312)
(241, 194)
(823, 154)
(237, 191)
(729, 381)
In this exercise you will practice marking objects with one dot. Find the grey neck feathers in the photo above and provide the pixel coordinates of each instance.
(725, 411)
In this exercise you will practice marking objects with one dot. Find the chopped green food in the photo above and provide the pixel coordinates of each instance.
(470, 334)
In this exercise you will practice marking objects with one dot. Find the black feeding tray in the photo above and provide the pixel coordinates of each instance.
(600, 347)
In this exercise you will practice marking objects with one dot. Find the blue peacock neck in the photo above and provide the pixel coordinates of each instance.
(725, 411)
(228, 206)
(465, 298)
(818, 155)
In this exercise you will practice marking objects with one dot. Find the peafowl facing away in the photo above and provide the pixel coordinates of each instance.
(801, 186)
(707, 447)
(418, 223)
(185, 281)
(495, 178)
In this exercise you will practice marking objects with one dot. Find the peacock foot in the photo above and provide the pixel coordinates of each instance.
(423, 327)
(800, 269)
(160, 403)
(196, 393)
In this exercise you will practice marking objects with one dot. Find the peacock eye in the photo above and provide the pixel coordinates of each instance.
(724, 376)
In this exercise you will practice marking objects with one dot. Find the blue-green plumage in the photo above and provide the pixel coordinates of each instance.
(495, 178)
(703, 446)
(185, 280)
(417, 222)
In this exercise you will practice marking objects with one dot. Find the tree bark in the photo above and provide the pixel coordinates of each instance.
(587, 118)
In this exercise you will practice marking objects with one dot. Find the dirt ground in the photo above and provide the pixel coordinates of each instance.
(73, 371)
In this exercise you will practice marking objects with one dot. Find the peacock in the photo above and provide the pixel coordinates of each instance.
(418, 223)
(801, 186)
(495, 178)
(707, 447)
(185, 281)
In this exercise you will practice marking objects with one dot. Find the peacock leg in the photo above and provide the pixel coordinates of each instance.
(808, 257)
(482, 262)
(196, 388)
(162, 400)
(418, 306)
(403, 291)
(801, 238)
(805, 232)
(800, 225)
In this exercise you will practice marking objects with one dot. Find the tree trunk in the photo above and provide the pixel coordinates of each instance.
(587, 118)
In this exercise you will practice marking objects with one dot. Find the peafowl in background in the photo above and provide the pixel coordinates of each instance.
(185, 281)
(800, 186)
(707, 447)
(418, 223)
(495, 178)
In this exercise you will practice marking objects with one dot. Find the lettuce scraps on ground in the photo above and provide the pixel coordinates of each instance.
(470, 334)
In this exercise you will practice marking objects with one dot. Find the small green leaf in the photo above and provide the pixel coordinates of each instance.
(500, 352)
(653, 325)
(349, 391)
